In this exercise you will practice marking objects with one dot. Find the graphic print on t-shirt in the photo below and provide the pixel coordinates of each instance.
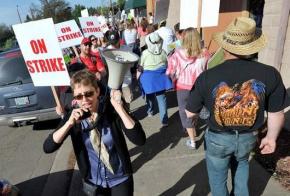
(237, 105)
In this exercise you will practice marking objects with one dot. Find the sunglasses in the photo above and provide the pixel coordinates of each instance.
(87, 44)
(85, 94)
(93, 39)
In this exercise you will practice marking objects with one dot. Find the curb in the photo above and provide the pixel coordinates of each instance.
(60, 173)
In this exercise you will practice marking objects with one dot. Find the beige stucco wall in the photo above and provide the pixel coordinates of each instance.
(276, 27)
(285, 68)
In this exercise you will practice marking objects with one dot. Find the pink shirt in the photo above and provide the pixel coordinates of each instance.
(185, 69)
(141, 32)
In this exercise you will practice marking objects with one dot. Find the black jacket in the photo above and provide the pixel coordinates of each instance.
(136, 135)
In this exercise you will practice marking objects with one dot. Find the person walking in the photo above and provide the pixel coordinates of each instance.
(97, 125)
(184, 66)
(238, 93)
(154, 82)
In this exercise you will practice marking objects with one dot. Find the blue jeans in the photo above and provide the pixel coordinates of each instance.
(162, 105)
(222, 150)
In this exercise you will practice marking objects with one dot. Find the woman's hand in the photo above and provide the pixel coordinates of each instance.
(116, 100)
(76, 115)
(118, 105)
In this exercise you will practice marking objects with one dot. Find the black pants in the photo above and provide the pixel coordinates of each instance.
(124, 189)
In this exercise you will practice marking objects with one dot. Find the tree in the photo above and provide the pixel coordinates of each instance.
(5, 33)
(59, 10)
(121, 4)
(76, 13)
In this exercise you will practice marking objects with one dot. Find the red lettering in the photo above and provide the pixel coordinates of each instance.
(53, 64)
(42, 65)
(48, 65)
(60, 64)
(38, 46)
(36, 66)
(69, 36)
(65, 29)
(90, 23)
(30, 67)
(45, 65)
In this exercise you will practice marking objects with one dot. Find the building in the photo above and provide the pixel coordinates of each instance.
(275, 24)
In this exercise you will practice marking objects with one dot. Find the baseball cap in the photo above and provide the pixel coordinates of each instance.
(85, 40)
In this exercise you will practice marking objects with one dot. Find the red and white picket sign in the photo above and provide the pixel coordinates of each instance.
(40, 48)
(91, 26)
(103, 23)
(68, 34)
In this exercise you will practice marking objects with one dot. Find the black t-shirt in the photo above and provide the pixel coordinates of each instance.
(237, 93)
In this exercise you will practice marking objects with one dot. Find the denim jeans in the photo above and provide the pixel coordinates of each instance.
(222, 150)
(162, 105)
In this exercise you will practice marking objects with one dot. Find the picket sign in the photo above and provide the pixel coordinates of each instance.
(68, 34)
(199, 13)
(91, 26)
(42, 54)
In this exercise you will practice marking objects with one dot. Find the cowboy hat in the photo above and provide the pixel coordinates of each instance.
(241, 37)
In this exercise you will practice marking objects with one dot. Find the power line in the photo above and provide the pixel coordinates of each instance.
(18, 14)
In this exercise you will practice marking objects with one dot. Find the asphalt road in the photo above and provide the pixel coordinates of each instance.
(22, 160)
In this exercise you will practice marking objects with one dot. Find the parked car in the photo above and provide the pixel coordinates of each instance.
(20, 100)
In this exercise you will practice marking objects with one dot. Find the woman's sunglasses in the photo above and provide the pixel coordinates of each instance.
(94, 39)
(85, 94)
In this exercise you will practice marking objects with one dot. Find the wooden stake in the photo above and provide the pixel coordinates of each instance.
(56, 98)
(76, 51)
(199, 29)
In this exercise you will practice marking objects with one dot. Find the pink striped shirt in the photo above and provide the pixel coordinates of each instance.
(185, 69)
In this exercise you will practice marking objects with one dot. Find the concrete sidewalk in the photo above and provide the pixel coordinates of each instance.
(165, 166)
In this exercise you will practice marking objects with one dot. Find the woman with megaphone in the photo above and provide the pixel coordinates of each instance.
(97, 125)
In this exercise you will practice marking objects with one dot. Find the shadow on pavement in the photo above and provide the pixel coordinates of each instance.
(196, 176)
(46, 125)
(157, 142)
(258, 179)
(56, 184)
(141, 112)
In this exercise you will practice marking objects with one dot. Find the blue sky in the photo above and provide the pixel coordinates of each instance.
(8, 8)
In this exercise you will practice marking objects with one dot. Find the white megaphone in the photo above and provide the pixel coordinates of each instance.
(118, 62)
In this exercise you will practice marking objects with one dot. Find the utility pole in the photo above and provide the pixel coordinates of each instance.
(18, 14)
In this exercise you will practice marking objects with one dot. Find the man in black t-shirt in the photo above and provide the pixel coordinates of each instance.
(237, 93)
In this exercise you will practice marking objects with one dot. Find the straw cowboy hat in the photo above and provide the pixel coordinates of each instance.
(241, 37)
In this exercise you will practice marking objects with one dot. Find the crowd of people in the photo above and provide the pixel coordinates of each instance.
(236, 93)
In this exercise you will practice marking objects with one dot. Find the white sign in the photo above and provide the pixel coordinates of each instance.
(42, 54)
(91, 26)
(161, 10)
(68, 34)
(85, 13)
(103, 23)
(189, 13)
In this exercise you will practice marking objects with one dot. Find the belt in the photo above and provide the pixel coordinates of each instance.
(232, 132)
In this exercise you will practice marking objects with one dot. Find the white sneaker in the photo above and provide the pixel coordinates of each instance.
(191, 144)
